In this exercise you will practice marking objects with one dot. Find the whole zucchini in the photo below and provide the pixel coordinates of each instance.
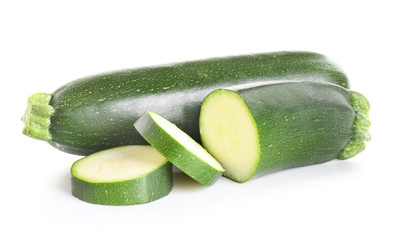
(256, 130)
(98, 112)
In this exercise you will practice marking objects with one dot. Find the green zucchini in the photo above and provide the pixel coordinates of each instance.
(98, 112)
(256, 130)
(179, 148)
(122, 176)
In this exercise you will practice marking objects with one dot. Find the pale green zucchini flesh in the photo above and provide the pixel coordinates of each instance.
(230, 133)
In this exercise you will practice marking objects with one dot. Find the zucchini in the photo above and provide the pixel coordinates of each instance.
(122, 176)
(98, 112)
(180, 149)
(252, 131)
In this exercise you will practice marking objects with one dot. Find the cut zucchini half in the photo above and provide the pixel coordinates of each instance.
(179, 148)
(122, 176)
(257, 130)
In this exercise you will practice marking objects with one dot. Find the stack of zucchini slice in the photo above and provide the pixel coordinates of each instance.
(241, 116)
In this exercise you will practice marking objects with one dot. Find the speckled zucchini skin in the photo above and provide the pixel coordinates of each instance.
(98, 112)
(148, 188)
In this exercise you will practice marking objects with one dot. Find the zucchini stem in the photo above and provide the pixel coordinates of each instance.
(360, 127)
(37, 116)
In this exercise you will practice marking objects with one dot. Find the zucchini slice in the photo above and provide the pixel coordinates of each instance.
(179, 148)
(262, 129)
(122, 176)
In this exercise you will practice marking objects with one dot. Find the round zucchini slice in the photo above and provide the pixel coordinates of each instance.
(122, 176)
(179, 148)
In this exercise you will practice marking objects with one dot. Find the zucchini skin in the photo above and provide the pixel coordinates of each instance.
(98, 112)
(310, 123)
(304, 123)
(116, 193)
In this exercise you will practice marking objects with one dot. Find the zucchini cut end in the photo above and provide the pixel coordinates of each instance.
(37, 117)
(229, 132)
(118, 164)
(361, 124)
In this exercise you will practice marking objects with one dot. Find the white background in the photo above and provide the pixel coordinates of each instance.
(45, 44)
